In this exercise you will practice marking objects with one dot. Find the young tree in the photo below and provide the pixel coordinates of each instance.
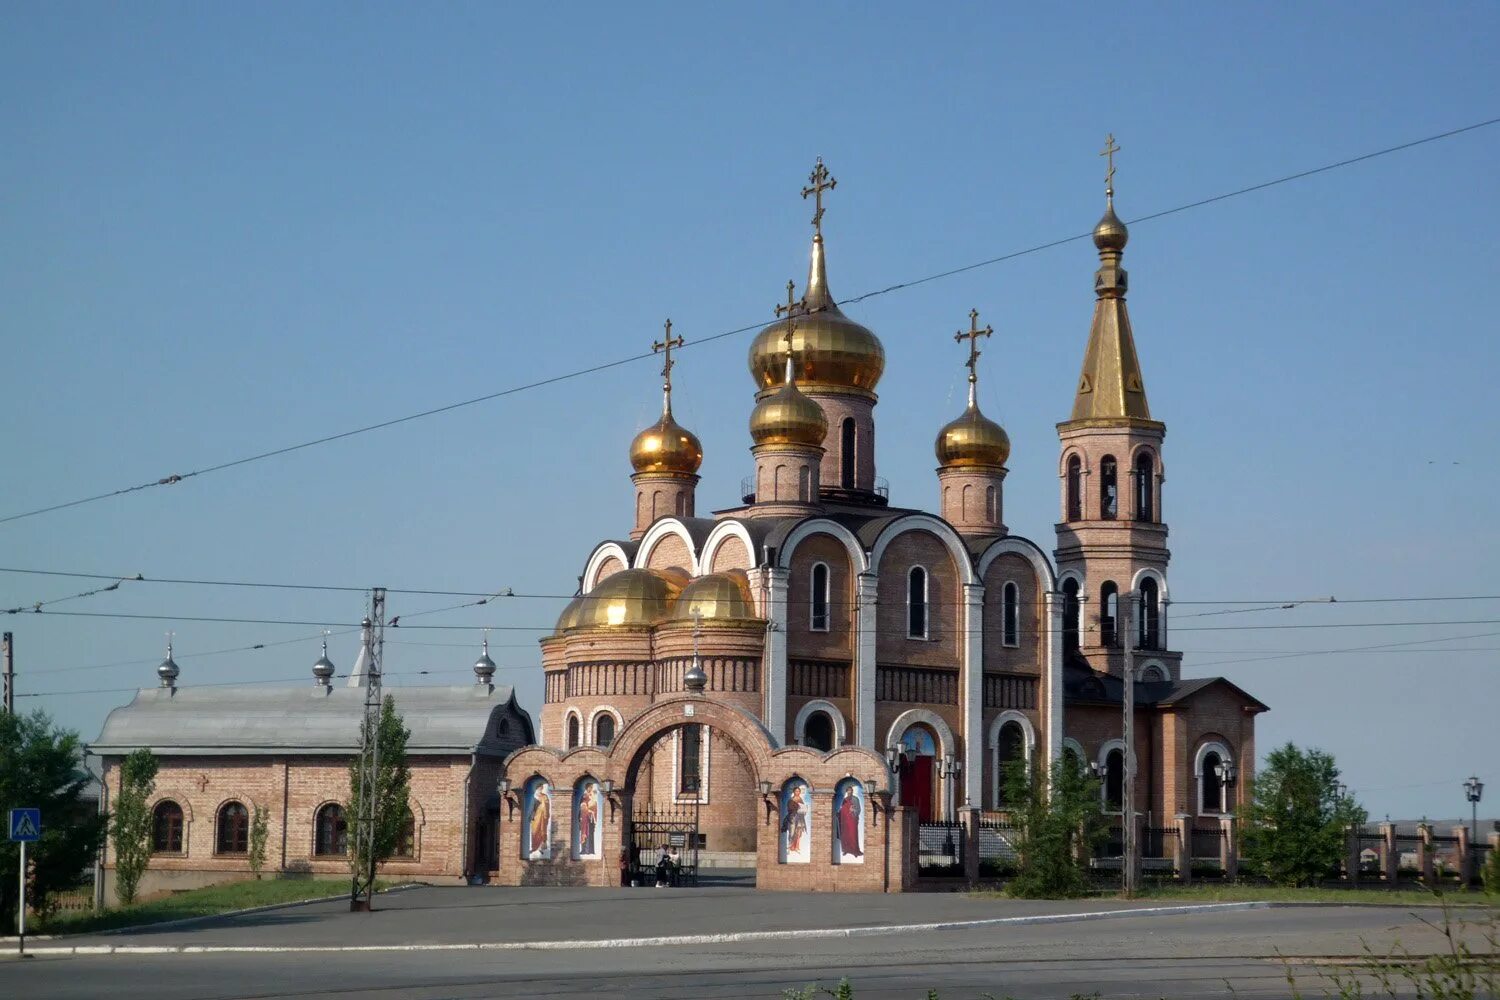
(132, 822)
(1297, 823)
(259, 827)
(40, 767)
(392, 789)
(1052, 827)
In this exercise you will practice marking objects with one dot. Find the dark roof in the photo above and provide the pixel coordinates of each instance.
(1081, 684)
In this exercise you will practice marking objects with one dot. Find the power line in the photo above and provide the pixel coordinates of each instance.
(174, 478)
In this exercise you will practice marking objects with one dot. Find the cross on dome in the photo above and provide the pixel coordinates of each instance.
(664, 346)
(1109, 150)
(822, 181)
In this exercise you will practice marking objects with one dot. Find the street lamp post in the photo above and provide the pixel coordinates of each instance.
(1474, 789)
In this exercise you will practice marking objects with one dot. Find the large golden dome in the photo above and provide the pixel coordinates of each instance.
(718, 596)
(788, 417)
(972, 440)
(666, 446)
(831, 349)
(630, 597)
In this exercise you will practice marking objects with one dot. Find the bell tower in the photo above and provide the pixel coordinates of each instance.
(1112, 538)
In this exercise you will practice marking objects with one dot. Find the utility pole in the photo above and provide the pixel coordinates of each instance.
(7, 645)
(362, 889)
(1127, 796)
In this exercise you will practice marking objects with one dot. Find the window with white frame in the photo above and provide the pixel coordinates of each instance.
(817, 619)
(916, 603)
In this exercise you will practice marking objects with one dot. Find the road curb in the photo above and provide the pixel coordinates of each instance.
(674, 940)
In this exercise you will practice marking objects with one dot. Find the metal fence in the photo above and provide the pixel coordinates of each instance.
(1159, 842)
(940, 848)
(1207, 843)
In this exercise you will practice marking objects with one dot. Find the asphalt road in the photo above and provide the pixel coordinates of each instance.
(1177, 956)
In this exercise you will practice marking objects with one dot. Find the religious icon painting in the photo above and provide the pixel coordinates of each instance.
(588, 801)
(796, 822)
(849, 822)
(537, 831)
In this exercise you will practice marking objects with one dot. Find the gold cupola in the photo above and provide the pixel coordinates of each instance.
(630, 598)
(833, 351)
(973, 440)
(666, 446)
(786, 416)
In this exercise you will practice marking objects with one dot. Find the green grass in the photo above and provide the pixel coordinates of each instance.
(204, 902)
(1283, 894)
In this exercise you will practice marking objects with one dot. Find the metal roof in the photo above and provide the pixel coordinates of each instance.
(246, 719)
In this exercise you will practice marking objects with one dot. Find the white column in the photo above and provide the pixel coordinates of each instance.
(773, 670)
(864, 662)
(973, 684)
(1052, 690)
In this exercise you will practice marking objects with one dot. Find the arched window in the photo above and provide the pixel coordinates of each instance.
(1070, 614)
(916, 603)
(1010, 749)
(1150, 616)
(817, 733)
(573, 727)
(1114, 780)
(406, 840)
(1075, 489)
(818, 613)
(330, 832)
(1010, 614)
(1153, 673)
(1145, 487)
(1211, 786)
(1109, 613)
(232, 831)
(166, 828)
(1109, 488)
(604, 729)
(846, 453)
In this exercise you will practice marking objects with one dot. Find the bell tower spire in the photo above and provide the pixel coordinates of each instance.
(1112, 539)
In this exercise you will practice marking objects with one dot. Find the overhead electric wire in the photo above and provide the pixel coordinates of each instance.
(175, 478)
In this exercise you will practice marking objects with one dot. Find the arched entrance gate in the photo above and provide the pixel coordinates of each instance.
(822, 821)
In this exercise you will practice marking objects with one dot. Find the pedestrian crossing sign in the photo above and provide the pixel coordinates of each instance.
(25, 824)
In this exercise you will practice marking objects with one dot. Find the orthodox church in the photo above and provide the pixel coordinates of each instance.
(812, 665)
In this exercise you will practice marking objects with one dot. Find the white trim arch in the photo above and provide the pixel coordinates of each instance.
(944, 532)
(799, 727)
(1204, 749)
(1069, 743)
(1068, 453)
(1047, 578)
(858, 563)
(1157, 667)
(1102, 763)
(594, 722)
(659, 530)
(597, 560)
(562, 737)
(945, 745)
(1157, 575)
(723, 532)
(992, 747)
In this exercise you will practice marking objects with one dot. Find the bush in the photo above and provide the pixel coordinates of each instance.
(1054, 829)
(1298, 823)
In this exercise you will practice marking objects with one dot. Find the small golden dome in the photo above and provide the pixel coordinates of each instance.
(830, 348)
(666, 446)
(1110, 233)
(788, 417)
(972, 440)
(629, 597)
(718, 596)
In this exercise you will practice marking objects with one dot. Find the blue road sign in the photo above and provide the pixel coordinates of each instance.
(26, 824)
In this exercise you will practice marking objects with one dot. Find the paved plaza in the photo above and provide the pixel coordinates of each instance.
(712, 942)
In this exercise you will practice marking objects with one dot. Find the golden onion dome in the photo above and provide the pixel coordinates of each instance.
(831, 349)
(718, 596)
(972, 440)
(1110, 233)
(666, 446)
(788, 417)
(629, 597)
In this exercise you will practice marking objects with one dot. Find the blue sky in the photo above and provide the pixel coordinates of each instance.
(226, 229)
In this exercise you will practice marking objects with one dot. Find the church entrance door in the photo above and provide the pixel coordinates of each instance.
(916, 786)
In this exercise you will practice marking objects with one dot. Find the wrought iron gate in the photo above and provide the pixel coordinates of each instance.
(672, 827)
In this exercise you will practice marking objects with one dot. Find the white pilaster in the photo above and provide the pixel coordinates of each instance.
(973, 683)
(1052, 690)
(864, 662)
(773, 679)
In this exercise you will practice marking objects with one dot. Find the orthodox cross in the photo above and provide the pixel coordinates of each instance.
(1109, 150)
(665, 346)
(821, 181)
(170, 635)
(794, 307)
(973, 334)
